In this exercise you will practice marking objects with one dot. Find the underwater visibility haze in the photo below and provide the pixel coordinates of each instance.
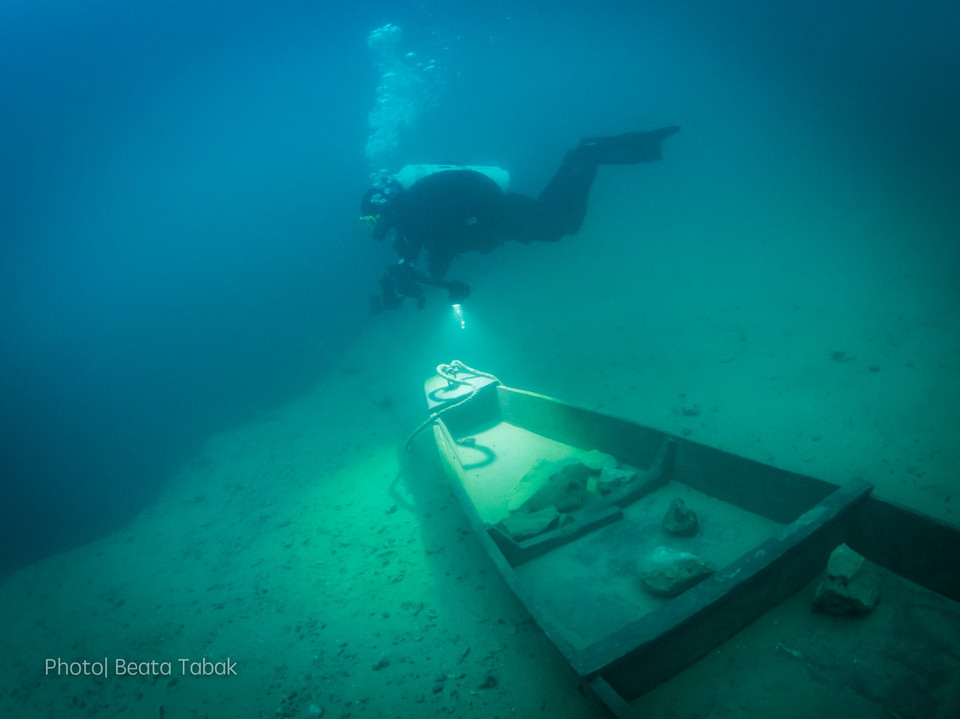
(190, 367)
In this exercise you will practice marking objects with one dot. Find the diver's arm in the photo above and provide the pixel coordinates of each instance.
(409, 280)
(409, 250)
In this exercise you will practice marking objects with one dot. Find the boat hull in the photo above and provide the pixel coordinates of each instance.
(770, 532)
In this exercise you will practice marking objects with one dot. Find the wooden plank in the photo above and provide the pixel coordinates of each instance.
(518, 553)
(759, 488)
(630, 443)
(655, 648)
(601, 689)
(920, 548)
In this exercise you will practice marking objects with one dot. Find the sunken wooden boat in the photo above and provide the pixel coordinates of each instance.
(745, 635)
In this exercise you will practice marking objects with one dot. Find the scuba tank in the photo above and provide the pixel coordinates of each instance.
(411, 173)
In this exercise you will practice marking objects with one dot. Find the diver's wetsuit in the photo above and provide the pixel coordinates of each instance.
(452, 212)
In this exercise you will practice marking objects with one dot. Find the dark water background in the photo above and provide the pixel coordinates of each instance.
(180, 182)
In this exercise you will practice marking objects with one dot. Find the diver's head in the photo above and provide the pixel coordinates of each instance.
(378, 208)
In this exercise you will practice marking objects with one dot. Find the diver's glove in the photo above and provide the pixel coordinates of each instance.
(458, 291)
(403, 280)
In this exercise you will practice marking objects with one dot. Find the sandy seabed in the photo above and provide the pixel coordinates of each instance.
(336, 571)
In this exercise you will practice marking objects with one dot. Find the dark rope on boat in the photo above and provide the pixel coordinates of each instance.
(449, 372)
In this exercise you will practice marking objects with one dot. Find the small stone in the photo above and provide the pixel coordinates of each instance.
(382, 664)
(680, 519)
(669, 572)
(489, 682)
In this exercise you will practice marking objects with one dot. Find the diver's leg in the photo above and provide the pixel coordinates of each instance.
(525, 220)
(562, 205)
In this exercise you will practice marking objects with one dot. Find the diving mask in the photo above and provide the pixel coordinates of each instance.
(371, 221)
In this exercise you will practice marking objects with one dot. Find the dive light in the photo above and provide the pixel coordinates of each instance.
(458, 315)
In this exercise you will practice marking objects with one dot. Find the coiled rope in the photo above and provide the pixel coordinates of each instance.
(449, 372)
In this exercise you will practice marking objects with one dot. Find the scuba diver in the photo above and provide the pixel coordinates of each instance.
(449, 210)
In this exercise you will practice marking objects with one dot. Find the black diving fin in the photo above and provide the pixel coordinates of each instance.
(630, 148)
